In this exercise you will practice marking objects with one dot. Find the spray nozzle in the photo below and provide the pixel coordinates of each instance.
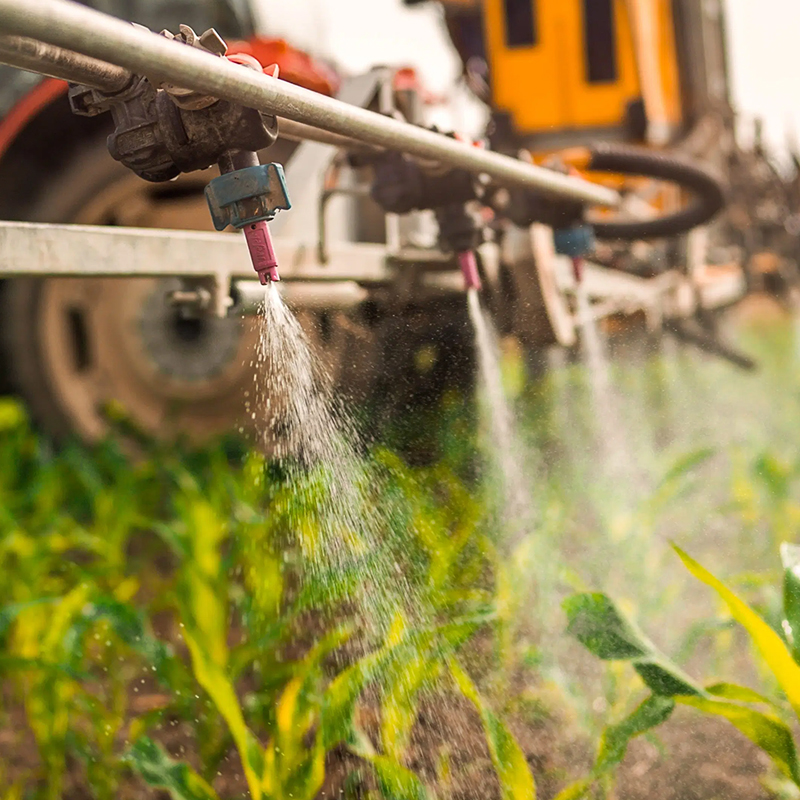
(247, 198)
(468, 263)
(459, 232)
(576, 242)
(262, 253)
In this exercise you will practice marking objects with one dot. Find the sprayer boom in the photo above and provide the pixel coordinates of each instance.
(91, 33)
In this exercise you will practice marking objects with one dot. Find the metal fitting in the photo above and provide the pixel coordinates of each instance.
(252, 194)
(162, 130)
(575, 242)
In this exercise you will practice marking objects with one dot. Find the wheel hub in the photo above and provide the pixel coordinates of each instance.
(183, 344)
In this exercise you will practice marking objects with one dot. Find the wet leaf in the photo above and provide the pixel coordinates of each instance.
(775, 474)
(516, 781)
(765, 639)
(294, 761)
(790, 556)
(687, 463)
(396, 782)
(765, 731)
(614, 743)
(157, 769)
(575, 791)
(740, 694)
(664, 678)
(212, 678)
(600, 626)
(399, 702)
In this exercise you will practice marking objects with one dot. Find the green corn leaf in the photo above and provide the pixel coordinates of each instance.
(214, 680)
(664, 678)
(294, 761)
(775, 474)
(764, 730)
(687, 463)
(739, 694)
(157, 769)
(343, 692)
(395, 781)
(399, 702)
(615, 740)
(790, 556)
(765, 639)
(598, 625)
(575, 791)
(127, 622)
(516, 781)
(614, 743)
(596, 622)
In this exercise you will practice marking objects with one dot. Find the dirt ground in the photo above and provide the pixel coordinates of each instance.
(696, 758)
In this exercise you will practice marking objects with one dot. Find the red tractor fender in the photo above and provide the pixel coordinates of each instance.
(27, 108)
(295, 67)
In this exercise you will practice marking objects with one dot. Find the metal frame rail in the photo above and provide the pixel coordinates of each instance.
(95, 36)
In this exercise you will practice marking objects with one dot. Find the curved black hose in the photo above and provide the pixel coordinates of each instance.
(707, 189)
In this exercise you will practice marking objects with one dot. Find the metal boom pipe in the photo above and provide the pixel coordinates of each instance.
(67, 65)
(36, 56)
(75, 27)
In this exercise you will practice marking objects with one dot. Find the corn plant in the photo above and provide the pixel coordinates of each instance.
(601, 627)
(304, 712)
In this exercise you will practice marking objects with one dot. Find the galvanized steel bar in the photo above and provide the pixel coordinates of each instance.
(38, 249)
(76, 27)
(57, 62)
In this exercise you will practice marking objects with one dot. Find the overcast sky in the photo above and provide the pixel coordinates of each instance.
(764, 44)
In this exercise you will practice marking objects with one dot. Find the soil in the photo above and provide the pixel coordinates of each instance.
(692, 758)
(701, 758)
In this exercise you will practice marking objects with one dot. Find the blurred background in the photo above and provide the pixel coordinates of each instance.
(358, 34)
(424, 528)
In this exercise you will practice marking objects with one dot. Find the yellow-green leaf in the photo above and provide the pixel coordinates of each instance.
(399, 706)
(741, 694)
(396, 782)
(575, 790)
(152, 763)
(790, 556)
(219, 688)
(516, 781)
(764, 730)
(614, 743)
(766, 641)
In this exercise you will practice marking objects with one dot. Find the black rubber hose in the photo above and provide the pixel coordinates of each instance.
(706, 188)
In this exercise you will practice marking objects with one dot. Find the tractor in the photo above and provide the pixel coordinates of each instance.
(570, 83)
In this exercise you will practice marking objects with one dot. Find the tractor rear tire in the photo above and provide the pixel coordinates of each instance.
(76, 346)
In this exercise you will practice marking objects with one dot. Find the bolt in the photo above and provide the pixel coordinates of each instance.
(213, 42)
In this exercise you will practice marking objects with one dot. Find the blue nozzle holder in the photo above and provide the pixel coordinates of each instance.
(575, 242)
(252, 194)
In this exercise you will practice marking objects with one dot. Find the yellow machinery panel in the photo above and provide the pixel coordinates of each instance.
(572, 64)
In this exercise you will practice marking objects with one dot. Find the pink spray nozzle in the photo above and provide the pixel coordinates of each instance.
(469, 269)
(577, 268)
(262, 253)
